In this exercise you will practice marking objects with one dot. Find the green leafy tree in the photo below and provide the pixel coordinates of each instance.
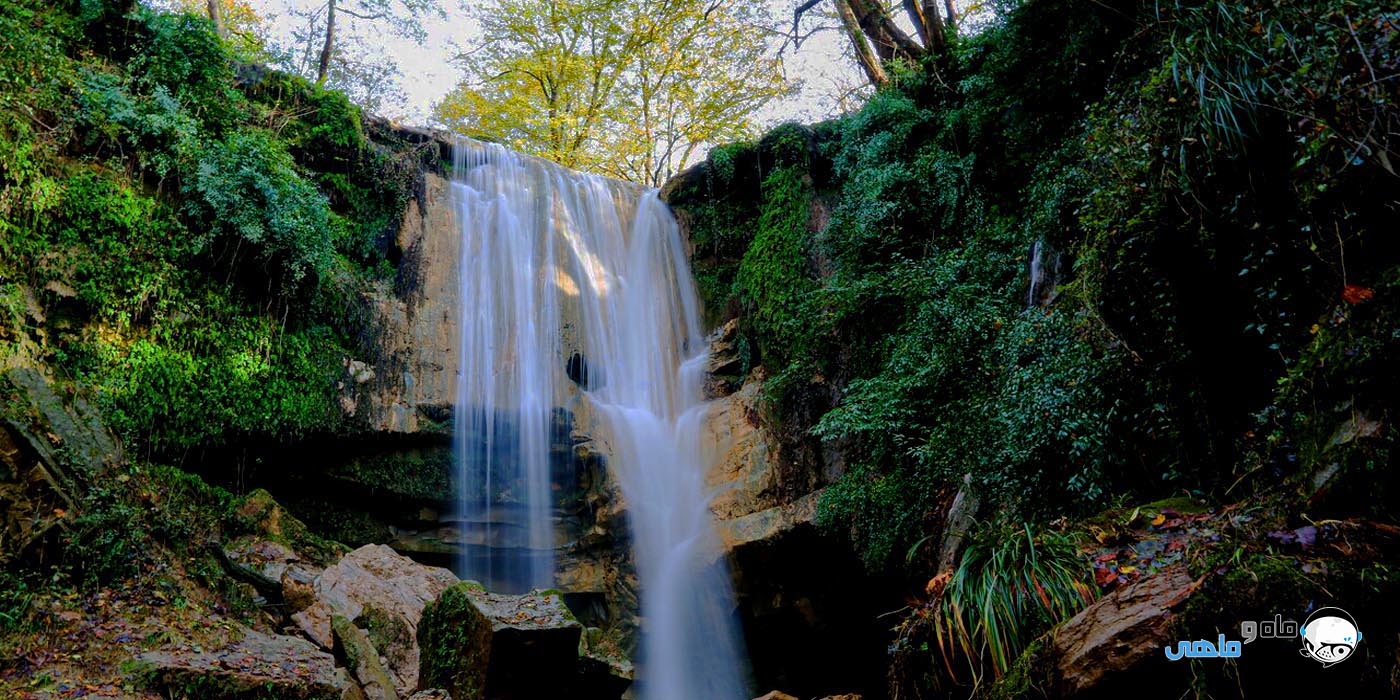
(630, 89)
(235, 21)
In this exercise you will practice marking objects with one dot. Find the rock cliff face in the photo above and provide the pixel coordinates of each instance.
(408, 388)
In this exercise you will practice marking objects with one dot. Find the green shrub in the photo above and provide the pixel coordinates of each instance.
(1010, 587)
(248, 189)
(181, 54)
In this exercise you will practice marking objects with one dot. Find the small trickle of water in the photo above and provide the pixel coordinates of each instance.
(559, 267)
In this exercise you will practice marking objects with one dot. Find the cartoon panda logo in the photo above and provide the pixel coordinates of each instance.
(1329, 636)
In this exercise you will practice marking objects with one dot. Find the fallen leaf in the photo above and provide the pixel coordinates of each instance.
(1104, 577)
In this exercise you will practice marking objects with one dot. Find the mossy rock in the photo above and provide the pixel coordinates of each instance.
(1028, 677)
(353, 645)
(256, 667)
(65, 432)
(477, 644)
(260, 514)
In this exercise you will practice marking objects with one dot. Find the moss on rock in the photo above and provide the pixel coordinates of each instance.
(477, 644)
(454, 640)
(260, 514)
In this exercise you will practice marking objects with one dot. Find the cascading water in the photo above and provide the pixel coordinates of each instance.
(556, 262)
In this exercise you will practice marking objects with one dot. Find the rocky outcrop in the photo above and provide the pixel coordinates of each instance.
(52, 443)
(769, 526)
(254, 667)
(743, 473)
(64, 431)
(1122, 632)
(382, 592)
(480, 645)
(408, 387)
(724, 367)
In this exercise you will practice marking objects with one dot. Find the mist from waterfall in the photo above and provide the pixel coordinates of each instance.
(557, 263)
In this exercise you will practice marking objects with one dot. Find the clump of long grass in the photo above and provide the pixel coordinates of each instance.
(1011, 586)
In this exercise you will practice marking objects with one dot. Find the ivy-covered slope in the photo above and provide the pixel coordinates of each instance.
(1210, 190)
(187, 237)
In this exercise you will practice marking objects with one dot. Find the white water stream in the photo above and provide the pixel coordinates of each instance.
(557, 263)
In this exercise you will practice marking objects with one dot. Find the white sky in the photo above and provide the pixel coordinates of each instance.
(428, 74)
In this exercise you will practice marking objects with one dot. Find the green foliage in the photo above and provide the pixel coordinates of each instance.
(216, 231)
(243, 379)
(181, 54)
(121, 244)
(125, 518)
(17, 615)
(1213, 177)
(772, 278)
(1009, 587)
(421, 474)
(249, 187)
(949, 374)
(625, 88)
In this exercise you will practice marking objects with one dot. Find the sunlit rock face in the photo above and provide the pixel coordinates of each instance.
(408, 386)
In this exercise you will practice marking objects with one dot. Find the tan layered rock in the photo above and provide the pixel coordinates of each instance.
(742, 470)
(723, 367)
(415, 372)
(1122, 631)
(769, 524)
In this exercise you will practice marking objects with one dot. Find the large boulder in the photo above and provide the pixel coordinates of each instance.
(262, 519)
(1121, 632)
(477, 644)
(383, 593)
(255, 667)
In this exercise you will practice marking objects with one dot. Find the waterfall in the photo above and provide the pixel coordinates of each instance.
(566, 271)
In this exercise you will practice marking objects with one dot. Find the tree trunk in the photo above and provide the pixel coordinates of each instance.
(952, 16)
(325, 63)
(918, 15)
(936, 40)
(890, 41)
(868, 60)
(216, 14)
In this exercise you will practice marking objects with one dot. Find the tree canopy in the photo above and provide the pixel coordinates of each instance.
(628, 88)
